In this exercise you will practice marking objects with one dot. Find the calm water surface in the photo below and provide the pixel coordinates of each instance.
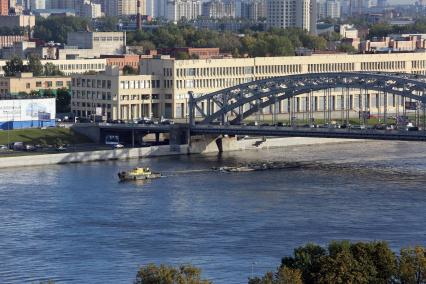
(77, 224)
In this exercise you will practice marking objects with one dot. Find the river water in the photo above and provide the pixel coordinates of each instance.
(77, 224)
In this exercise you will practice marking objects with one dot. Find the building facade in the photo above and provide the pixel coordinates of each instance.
(170, 80)
(118, 96)
(4, 7)
(291, 14)
(253, 10)
(100, 42)
(27, 83)
(328, 9)
(218, 9)
(118, 8)
(183, 9)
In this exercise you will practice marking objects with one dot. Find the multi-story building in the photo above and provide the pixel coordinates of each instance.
(68, 67)
(292, 14)
(91, 10)
(183, 9)
(118, 8)
(253, 9)
(171, 80)
(218, 9)
(9, 40)
(121, 61)
(22, 21)
(78, 66)
(4, 7)
(96, 43)
(328, 9)
(119, 96)
(27, 83)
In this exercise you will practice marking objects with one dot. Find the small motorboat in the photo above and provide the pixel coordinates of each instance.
(138, 174)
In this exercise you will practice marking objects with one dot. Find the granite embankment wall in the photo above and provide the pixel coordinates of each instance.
(93, 156)
(158, 151)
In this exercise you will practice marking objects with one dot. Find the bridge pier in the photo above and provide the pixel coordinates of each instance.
(211, 143)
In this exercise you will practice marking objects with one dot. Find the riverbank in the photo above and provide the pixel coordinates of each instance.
(154, 151)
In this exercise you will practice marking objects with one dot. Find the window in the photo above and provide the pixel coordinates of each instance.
(38, 84)
(28, 86)
(59, 84)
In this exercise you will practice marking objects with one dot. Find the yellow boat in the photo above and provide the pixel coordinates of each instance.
(138, 174)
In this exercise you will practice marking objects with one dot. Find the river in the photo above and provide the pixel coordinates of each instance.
(77, 224)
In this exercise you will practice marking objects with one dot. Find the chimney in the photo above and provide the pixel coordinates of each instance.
(139, 16)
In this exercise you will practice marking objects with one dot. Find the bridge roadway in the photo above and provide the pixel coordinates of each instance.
(279, 131)
(348, 133)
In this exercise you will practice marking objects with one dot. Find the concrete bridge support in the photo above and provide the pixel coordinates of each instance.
(202, 144)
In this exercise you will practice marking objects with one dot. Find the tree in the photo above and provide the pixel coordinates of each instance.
(412, 265)
(129, 70)
(307, 259)
(348, 48)
(63, 101)
(14, 66)
(185, 274)
(284, 275)
(51, 69)
(35, 66)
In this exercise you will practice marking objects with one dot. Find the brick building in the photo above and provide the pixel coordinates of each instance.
(122, 60)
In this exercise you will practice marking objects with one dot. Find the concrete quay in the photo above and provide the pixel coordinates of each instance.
(199, 145)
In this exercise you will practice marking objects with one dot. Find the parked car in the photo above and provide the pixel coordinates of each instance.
(118, 146)
(18, 146)
(167, 122)
(253, 123)
(30, 148)
(3, 148)
(61, 148)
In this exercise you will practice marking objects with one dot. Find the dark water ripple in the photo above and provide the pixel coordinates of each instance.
(77, 224)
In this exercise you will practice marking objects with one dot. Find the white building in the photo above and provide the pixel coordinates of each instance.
(91, 10)
(291, 13)
(218, 9)
(183, 9)
(328, 9)
(117, 8)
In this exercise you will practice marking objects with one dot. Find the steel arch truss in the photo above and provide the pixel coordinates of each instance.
(263, 93)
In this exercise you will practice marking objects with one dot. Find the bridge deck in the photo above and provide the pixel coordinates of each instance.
(311, 132)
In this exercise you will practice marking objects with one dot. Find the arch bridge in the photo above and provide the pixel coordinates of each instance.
(233, 105)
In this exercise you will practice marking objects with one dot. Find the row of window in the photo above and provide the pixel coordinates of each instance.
(91, 83)
(92, 95)
(88, 66)
(140, 84)
(214, 71)
(389, 65)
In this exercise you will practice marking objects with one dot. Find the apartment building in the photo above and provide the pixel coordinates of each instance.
(27, 83)
(183, 9)
(292, 14)
(175, 78)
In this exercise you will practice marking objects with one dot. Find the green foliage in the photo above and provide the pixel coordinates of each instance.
(51, 70)
(11, 31)
(14, 66)
(129, 70)
(275, 42)
(185, 274)
(344, 262)
(63, 101)
(412, 267)
(284, 275)
(55, 28)
(384, 29)
(346, 48)
(35, 66)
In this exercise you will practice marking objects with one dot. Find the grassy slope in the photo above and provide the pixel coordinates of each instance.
(36, 135)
